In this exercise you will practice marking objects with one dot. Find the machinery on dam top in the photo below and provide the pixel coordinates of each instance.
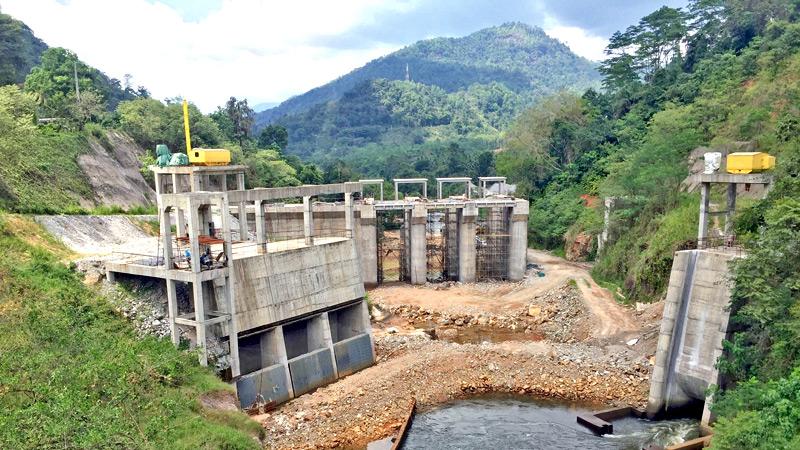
(193, 156)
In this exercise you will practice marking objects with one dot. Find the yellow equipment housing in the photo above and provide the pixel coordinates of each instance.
(202, 156)
(749, 162)
(209, 157)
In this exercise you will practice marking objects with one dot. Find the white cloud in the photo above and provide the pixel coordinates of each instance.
(583, 44)
(264, 50)
(246, 48)
(579, 41)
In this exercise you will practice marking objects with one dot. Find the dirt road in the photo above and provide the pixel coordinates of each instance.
(509, 298)
(612, 317)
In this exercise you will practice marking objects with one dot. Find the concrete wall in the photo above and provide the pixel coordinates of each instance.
(297, 357)
(275, 287)
(312, 370)
(270, 383)
(693, 326)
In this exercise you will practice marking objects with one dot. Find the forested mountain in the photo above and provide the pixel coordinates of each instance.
(521, 57)
(20, 50)
(456, 88)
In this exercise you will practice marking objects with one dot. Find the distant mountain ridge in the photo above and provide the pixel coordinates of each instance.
(520, 56)
(20, 50)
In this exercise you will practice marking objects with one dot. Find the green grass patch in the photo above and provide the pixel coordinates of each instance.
(40, 171)
(73, 375)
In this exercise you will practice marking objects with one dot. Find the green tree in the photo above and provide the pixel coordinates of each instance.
(89, 107)
(267, 169)
(53, 81)
(274, 137)
(151, 122)
(645, 48)
(242, 119)
(311, 174)
(338, 172)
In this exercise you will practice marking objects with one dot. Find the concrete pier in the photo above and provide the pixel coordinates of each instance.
(417, 242)
(467, 217)
(366, 235)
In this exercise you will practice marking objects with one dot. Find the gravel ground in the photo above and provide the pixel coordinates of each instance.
(371, 404)
(544, 347)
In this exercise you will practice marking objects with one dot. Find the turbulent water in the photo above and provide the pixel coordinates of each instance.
(501, 423)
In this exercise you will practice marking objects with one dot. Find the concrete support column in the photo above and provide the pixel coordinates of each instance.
(348, 215)
(368, 244)
(180, 223)
(172, 311)
(367, 326)
(702, 228)
(518, 240)
(467, 218)
(319, 336)
(308, 220)
(242, 209)
(194, 182)
(273, 351)
(165, 230)
(194, 233)
(206, 220)
(731, 209)
(230, 305)
(199, 318)
(175, 186)
(261, 227)
(418, 267)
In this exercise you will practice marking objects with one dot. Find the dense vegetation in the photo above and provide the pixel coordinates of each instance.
(719, 72)
(72, 372)
(38, 170)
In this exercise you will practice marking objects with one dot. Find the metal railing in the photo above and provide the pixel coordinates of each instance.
(727, 244)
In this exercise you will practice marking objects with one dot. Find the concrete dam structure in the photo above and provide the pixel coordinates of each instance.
(694, 324)
(280, 298)
(697, 306)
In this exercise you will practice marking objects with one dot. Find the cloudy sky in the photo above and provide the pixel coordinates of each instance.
(269, 50)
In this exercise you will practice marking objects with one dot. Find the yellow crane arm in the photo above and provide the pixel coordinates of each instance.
(186, 127)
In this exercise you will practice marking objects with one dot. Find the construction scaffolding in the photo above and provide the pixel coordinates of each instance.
(492, 244)
(392, 235)
(441, 245)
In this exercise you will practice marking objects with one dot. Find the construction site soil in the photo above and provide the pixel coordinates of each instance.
(544, 337)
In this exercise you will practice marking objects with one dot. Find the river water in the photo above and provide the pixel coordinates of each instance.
(504, 423)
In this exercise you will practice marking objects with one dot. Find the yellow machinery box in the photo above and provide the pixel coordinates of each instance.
(749, 162)
(209, 157)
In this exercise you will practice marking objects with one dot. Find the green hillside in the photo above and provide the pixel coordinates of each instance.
(73, 371)
(717, 73)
